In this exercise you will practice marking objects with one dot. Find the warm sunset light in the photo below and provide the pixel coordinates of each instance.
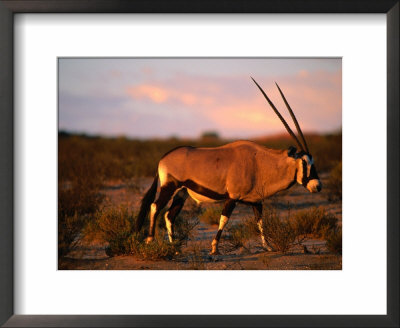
(183, 97)
(200, 164)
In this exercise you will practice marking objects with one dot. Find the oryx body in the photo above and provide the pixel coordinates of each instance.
(241, 171)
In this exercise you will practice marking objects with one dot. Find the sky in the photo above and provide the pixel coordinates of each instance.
(185, 97)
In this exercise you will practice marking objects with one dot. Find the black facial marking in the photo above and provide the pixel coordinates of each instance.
(313, 173)
(291, 151)
(304, 180)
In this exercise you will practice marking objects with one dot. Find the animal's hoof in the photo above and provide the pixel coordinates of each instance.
(215, 253)
(149, 240)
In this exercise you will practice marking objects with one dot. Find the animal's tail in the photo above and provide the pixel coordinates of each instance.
(146, 202)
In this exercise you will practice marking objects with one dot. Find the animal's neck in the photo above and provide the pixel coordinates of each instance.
(281, 177)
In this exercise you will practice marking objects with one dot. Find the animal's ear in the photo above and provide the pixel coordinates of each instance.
(291, 151)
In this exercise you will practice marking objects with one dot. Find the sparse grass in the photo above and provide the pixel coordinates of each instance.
(314, 222)
(115, 225)
(283, 233)
(184, 228)
(278, 231)
(238, 236)
(266, 260)
(334, 240)
(79, 196)
(195, 257)
(69, 228)
(334, 184)
(135, 185)
(159, 249)
(84, 163)
(211, 215)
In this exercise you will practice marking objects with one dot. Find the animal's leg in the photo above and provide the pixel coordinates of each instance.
(226, 213)
(166, 193)
(173, 211)
(257, 209)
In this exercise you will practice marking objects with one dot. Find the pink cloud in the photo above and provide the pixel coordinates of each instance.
(154, 93)
(162, 94)
(235, 103)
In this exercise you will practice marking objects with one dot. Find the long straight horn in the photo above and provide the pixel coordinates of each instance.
(294, 118)
(280, 116)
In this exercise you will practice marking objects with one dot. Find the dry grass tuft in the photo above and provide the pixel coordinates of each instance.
(211, 215)
(334, 185)
(115, 225)
(334, 240)
(283, 233)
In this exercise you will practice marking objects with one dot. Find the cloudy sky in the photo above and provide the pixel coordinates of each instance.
(148, 98)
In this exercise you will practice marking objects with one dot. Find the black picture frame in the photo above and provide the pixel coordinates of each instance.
(7, 10)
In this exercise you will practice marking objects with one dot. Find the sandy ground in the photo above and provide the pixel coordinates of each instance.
(91, 255)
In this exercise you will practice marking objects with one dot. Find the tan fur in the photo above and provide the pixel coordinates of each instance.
(244, 170)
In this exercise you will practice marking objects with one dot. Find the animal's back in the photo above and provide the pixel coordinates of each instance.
(214, 167)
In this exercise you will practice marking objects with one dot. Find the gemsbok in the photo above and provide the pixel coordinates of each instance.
(238, 172)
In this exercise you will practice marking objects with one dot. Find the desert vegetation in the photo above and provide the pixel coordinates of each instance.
(91, 168)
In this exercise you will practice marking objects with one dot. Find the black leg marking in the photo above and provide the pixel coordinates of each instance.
(177, 204)
(226, 213)
(218, 236)
(229, 206)
(166, 193)
(257, 209)
(173, 211)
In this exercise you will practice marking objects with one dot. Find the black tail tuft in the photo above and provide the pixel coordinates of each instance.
(146, 202)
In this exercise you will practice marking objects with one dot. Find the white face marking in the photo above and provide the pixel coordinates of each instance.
(313, 185)
(309, 162)
(299, 176)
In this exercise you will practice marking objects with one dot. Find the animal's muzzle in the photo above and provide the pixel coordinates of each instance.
(314, 185)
